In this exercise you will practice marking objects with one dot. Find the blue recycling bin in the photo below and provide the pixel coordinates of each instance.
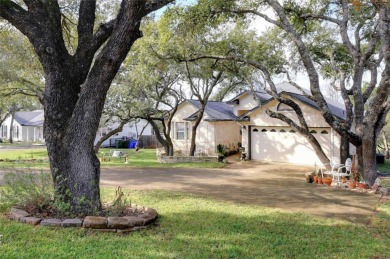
(132, 143)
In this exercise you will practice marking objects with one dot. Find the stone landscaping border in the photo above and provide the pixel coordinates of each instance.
(164, 159)
(186, 159)
(123, 224)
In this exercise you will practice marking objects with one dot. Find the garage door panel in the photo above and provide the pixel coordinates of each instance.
(285, 146)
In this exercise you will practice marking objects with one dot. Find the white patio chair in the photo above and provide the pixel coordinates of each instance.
(348, 168)
(334, 164)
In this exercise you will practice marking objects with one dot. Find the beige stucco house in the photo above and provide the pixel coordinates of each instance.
(264, 138)
(219, 126)
(269, 139)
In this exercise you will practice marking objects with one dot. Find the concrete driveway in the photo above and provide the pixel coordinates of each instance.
(271, 185)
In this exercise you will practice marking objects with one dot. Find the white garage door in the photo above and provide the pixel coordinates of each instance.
(285, 145)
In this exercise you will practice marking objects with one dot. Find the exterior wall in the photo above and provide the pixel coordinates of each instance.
(313, 117)
(208, 134)
(183, 145)
(288, 147)
(32, 133)
(26, 133)
(205, 141)
(130, 130)
(247, 102)
(227, 133)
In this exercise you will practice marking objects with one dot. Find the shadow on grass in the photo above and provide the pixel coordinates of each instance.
(195, 227)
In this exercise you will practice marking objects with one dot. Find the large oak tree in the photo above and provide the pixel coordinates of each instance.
(76, 82)
(358, 47)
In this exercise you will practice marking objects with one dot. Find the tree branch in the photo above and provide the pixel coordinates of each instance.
(86, 22)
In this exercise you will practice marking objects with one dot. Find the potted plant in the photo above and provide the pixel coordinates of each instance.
(327, 180)
(362, 184)
(221, 151)
(319, 177)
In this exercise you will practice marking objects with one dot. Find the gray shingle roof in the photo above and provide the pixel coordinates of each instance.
(337, 109)
(34, 118)
(334, 107)
(215, 111)
(261, 94)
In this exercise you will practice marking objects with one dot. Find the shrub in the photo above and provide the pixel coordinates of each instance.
(29, 191)
(120, 205)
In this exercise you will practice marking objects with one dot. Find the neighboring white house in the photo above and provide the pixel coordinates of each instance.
(243, 119)
(130, 130)
(27, 126)
(219, 126)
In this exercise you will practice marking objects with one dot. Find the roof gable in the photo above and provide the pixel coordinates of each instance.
(215, 111)
(34, 118)
(337, 109)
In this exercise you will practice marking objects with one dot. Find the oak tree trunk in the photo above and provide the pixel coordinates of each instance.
(194, 128)
(344, 149)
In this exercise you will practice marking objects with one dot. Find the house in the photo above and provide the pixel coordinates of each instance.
(218, 126)
(269, 139)
(27, 126)
(243, 120)
(130, 130)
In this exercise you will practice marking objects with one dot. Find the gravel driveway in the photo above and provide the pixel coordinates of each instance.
(271, 185)
(267, 184)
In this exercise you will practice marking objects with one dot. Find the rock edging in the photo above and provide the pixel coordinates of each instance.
(123, 224)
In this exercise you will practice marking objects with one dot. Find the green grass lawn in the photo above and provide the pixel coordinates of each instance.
(141, 158)
(196, 227)
(384, 167)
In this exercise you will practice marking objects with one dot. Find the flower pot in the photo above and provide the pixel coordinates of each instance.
(352, 185)
(320, 181)
(362, 185)
(315, 178)
(327, 181)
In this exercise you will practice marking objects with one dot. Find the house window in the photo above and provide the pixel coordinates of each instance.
(282, 130)
(292, 131)
(324, 132)
(263, 130)
(4, 131)
(273, 130)
(255, 130)
(180, 130)
(313, 131)
(15, 133)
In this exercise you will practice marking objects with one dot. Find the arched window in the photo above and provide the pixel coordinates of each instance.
(284, 107)
(255, 130)
(324, 132)
(282, 130)
(292, 131)
(273, 130)
(263, 130)
(313, 131)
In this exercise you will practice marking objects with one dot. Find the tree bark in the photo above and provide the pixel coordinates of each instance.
(386, 146)
(108, 135)
(165, 142)
(11, 128)
(194, 128)
(140, 135)
(76, 86)
(344, 149)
